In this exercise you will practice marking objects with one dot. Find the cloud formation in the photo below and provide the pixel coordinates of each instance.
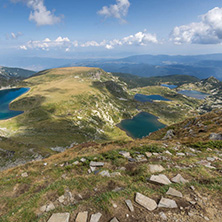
(118, 10)
(138, 39)
(13, 35)
(207, 31)
(39, 14)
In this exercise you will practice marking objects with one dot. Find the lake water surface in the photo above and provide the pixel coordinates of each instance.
(169, 86)
(194, 94)
(145, 98)
(141, 125)
(7, 96)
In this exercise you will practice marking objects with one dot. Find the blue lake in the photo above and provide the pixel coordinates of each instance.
(169, 86)
(194, 94)
(145, 98)
(7, 96)
(141, 125)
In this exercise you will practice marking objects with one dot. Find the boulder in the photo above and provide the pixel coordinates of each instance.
(105, 173)
(148, 154)
(49, 207)
(160, 179)
(59, 217)
(146, 202)
(179, 179)
(174, 192)
(125, 154)
(82, 216)
(153, 168)
(95, 217)
(167, 203)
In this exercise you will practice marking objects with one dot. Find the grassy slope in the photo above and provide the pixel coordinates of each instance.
(21, 198)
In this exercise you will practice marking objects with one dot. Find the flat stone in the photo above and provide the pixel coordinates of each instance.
(160, 179)
(211, 159)
(93, 169)
(25, 174)
(131, 159)
(76, 162)
(114, 220)
(104, 173)
(156, 154)
(125, 154)
(83, 160)
(82, 216)
(95, 217)
(96, 164)
(168, 152)
(179, 179)
(49, 207)
(167, 203)
(180, 154)
(146, 202)
(141, 158)
(148, 154)
(174, 192)
(155, 168)
(59, 217)
(129, 205)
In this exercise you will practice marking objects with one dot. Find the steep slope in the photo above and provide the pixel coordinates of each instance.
(12, 76)
(93, 178)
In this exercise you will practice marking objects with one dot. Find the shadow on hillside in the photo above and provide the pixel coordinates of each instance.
(40, 126)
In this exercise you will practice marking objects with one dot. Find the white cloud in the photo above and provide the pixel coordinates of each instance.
(13, 35)
(64, 43)
(39, 14)
(207, 31)
(118, 10)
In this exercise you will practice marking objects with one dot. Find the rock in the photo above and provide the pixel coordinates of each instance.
(104, 173)
(148, 154)
(122, 168)
(83, 160)
(93, 169)
(115, 174)
(192, 187)
(211, 159)
(114, 205)
(141, 158)
(160, 179)
(215, 136)
(114, 220)
(146, 202)
(59, 217)
(61, 199)
(43, 208)
(117, 189)
(49, 207)
(169, 134)
(180, 154)
(96, 164)
(167, 203)
(132, 159)
(179, 179)
(163, 216)
(174, 192)
(25, 174)
(95, 217)
(168, 152)
(156, 154)
(125, 154)
(76, 162)
(82, 216)
(155, 168)
(129, 205)
(206, 164)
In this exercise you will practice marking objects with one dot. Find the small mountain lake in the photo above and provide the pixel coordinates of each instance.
(169, 86)
(141, 125)
(145, 98)
(194, 94)
(6, 97)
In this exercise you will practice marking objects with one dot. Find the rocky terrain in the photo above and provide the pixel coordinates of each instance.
(166, 177)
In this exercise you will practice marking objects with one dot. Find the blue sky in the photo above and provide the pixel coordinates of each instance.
(111, 28)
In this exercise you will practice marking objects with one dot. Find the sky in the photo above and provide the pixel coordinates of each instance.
(109, 28)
